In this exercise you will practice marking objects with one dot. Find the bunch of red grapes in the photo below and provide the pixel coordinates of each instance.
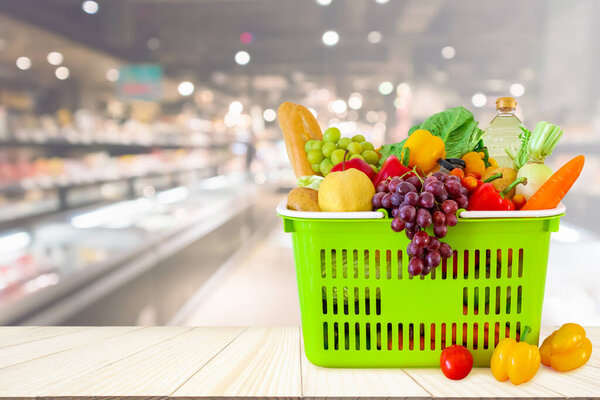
(415, 204)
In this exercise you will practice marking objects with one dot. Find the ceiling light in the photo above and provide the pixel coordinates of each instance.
(55, 58)
(269, 115)
(372, 116)
(403, 89)
(153, 43)
(62, 73)
(246, 38)
(14, 241)
(23, 63)
(185, 88)
(386, 88)
(112, 75)
(400, 103)
(323, 2)
(448, 52)
(479, 99)
(516, 89)
(236, 107)
(381, 1)
(90, 7)
(331, 38)
(374, 37)
(337, 106)
(242, 57)
(355, 101)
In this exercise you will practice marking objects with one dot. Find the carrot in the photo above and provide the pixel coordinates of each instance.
(556, 187)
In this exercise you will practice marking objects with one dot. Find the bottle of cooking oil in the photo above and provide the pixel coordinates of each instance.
(503, 132)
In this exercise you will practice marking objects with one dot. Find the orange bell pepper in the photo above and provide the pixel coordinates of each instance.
(517, 361)
(566, 348)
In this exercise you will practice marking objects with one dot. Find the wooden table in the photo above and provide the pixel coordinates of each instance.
(158, 362)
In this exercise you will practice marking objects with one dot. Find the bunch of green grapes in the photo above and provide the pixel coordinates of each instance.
(324, 154)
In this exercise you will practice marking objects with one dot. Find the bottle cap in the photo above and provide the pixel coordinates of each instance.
(506, 102)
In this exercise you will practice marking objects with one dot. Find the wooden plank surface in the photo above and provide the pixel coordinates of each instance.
(185, 362)
(261, 362)
(30, 378)
(158, 370)
(320, 382)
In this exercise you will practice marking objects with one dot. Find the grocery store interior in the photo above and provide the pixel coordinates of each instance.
(141, 160)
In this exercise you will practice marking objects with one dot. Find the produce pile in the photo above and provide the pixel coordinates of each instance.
(424, 181)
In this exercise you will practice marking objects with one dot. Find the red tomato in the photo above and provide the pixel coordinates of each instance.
(456, 362)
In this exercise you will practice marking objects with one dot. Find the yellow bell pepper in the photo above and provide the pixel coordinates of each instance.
(474, 163)
(566, 348)
(423, 149)
(517, 361)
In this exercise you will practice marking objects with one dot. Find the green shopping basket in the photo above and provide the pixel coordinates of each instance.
(360, 307)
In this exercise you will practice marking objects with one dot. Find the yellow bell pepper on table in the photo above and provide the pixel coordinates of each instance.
(566, 348)
(424, 150)
(517, 361)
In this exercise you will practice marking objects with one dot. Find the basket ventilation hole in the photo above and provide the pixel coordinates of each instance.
(487, 300)
(345, 263)
(378, 301)
(520, 263)
(519, 298)
(465, 334)
(346, 336)
(388, 264)
(509, 262)
(443, 336)
(367, 302)
(477, 263)
(486, 334)
(508, 298)
(324, 293)
(496, 334)
(444, 268)
(498, 301)
(518, 332)
(357, 335)
(400, 343)
(377, 264)
(336, 336)
(476, 301)
(368, 335)
(499, 263)
(465, 300)
(356, 301)
(323, 263)
(378, 330)
(325, 336)
(454, 264)
(333, 264)
(411, 336)
(432, 341)
(488, 263)
(346, 300)
(453, 333)
(355, 263)
(507, 330)
(366, 258)
(466, 264)
(334, 300)
(399, 264)
(475, 335)
(422, 337)
(390, 337)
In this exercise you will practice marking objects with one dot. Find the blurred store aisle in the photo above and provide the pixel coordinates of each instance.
(257, 287)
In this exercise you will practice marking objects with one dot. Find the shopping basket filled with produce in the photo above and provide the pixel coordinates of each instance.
(408, 249)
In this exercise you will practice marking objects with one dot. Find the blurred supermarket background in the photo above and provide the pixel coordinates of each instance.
(141, 160)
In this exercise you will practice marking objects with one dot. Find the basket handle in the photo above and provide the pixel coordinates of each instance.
(288, 225)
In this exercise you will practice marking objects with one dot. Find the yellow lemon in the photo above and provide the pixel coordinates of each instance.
(349, 190)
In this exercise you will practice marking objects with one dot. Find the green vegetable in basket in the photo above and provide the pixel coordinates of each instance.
(310, 181)
(457, 128)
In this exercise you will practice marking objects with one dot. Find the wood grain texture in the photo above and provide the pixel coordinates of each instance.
(261, 362)
(318, 382)
(30, 378)
(156, 371)
(9, 336)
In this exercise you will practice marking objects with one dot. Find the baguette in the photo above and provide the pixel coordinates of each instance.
(298, 126)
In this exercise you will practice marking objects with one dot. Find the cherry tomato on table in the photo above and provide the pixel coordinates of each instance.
(456, 362)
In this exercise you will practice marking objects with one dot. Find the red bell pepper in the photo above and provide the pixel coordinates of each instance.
(487, 198)
(355, 163)
(390, 168)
